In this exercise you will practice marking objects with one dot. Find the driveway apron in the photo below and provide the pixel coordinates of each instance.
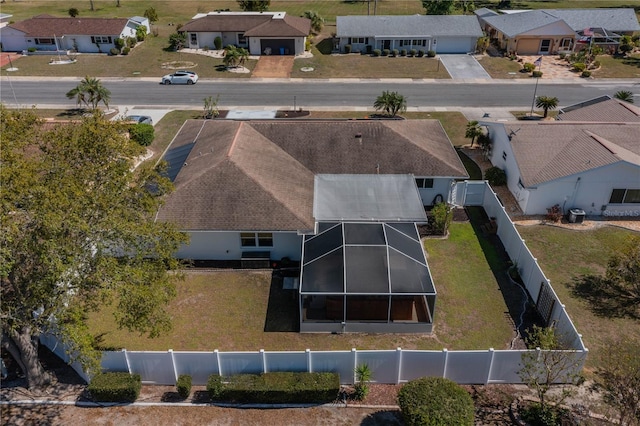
(463, 67)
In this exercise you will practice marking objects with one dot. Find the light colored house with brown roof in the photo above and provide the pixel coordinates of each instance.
(48, 33)
(592, 166)
(601, 109)
(248, 186)
(274, 33)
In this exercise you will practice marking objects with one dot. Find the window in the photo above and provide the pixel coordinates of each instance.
(45, 41)
(100, 39)
(194, 38)
(242, 39)
(424, 183)
(418, 42)
(504, 155)
(625, 196)
(565, 43)
(405, 42)
(256, 239)
(358, 40)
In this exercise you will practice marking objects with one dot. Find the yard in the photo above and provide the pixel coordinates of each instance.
(564, 256)
(247, 311)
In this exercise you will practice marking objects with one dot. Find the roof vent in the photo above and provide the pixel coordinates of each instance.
(359, 135)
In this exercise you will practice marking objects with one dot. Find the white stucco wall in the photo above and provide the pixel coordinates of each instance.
(441, 186)
(12, 40)
(223, 245)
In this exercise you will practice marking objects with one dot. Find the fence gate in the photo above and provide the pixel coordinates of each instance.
(467, 193)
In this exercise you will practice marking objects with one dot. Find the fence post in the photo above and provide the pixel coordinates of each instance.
(264, 361)
(309, 366)
(173, 364)
(217, 354)
(355, 365)
(492, 353)
(126, 360)
(445, 352)
(398, 364)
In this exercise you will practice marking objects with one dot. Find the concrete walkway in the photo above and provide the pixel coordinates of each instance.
(463, 67)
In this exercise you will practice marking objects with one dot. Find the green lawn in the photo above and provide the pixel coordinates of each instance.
(499, 67)
(627, 67)
(230, 310)
(564, 255)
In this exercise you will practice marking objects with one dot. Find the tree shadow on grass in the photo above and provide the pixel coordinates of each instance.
(282, 309)
(606, 298)
(383, 417)
(634, 62)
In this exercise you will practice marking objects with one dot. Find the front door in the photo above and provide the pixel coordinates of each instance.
(386, 44)
(545, 46)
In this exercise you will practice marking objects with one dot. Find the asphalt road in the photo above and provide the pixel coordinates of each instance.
(311, 94)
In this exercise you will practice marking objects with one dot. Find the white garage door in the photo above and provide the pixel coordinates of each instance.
(455, 44)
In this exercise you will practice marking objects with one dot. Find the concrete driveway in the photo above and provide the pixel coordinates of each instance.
(463, 67)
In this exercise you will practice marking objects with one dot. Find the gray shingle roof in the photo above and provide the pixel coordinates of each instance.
(546, 151)
(602, 109)
(47, 26)
(408, 25)
(516, 23)
(259, 175)
(616, 20)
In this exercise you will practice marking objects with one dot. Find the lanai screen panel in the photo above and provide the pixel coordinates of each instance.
(409, 276)
(324, 274)
(409, 244)
(367, 270)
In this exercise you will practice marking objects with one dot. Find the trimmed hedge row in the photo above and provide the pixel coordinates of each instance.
(115, 387)
(275, 388)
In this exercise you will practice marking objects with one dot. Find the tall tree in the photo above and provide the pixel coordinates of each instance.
(619, 379)
(624, 95)
(317, 21)
(90, 91)
(473, 131)
(391, 103)
(254, 5)
(439, 7)
(547, 103)
(78, 234)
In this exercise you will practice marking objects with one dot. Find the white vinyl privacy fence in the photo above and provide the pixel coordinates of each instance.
(387, 366)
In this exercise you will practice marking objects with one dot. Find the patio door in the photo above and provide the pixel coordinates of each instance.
(545, 45)
(386, 44)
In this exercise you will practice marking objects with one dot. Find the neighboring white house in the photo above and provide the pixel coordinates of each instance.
(4, 19)
(246, 189)
(84, 35)
(268, 33)
(590, 166)
(441, 33)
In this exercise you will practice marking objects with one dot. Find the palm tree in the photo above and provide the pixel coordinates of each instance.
(473, 131)
(547, 103)
(317, 21)
(624, 95)
(234, 55)
(391, 103)
(90, 91)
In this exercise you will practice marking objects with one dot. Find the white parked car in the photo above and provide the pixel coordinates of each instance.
(180, 77)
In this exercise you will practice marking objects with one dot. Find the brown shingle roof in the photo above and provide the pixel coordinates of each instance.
(253, 25)
(258, 175)
(609, 110)
(48, 26)
(547, 151)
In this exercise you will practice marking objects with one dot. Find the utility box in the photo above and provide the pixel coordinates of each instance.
(576, 216)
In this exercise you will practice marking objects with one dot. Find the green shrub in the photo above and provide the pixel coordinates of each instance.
(496, 176)
(420, 53)
(347, 48)
(579, 67)
(114, 51)
(585, 74)
(31, 49)
(276, 388)
(131, 42)
(441, 217)
(563, 55)
(119, 42)
(626, 48)
(435, 401)
(596, 64)
(126, 50)
(206, 48)
(536, 74)
(403, 52)
(141, 32)
(377, 52)
(431, 53)
(363, 377)
(115, 387)
(215, 387)
(217, 42)
(413, 52)
(142, 133)
(395, 53)
(528, 67)
(537, 415)
(385, 52)
(183, 385)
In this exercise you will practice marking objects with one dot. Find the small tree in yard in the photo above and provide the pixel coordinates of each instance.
(442, 216)
(624, 95)
(546, 103)
(211, 107)
(552, 362)
(90, 91)
(473, 131)
(363, 377)
(391, 103)
(317, 21)
(78, 234)
(151, 14)
(618, 379)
